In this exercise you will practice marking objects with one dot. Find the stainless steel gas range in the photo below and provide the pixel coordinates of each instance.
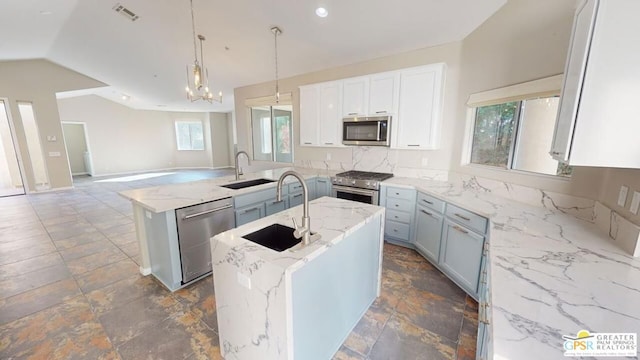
(362, 186)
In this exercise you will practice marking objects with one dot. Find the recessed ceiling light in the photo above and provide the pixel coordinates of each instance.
(322, 12)
(125, 97)
(45, 12)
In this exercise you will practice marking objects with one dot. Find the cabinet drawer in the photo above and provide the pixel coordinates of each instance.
(295, 187)
(398, 216)
(408, 194)
(431, 202)
(397, 230)
(400, 205)
(467, 218)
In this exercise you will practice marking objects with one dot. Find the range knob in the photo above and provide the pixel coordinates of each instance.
(374, 184)
(353, 182)
(368, 183)
(339, 180)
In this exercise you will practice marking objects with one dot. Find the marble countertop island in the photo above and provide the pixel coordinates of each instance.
(553, 272)
(169, 197)
(298, 303)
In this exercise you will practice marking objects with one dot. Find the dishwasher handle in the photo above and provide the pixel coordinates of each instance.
(206, 212)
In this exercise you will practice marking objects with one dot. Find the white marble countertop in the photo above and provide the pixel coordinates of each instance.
(553, 272)
(174, 196)
(334, 219)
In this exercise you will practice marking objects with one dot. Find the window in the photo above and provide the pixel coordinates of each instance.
(271, 128)
(189, 135)
(517, 135)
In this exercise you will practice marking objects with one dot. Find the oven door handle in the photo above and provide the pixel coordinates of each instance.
(354, 190)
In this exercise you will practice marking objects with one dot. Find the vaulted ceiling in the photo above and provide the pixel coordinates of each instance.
(146, 59)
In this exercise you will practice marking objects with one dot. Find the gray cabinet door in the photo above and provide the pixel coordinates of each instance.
(428, 233)
(461, 255)
(273, 206)
(249, 213)
(323, 187)
(295, 199)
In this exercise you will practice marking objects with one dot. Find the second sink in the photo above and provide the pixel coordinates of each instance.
(276, 237)
(246, 184)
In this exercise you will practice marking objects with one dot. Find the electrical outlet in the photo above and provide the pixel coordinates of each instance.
(622, 196)
(54, 153)
(425, 161)
(635, 203)
(51, 138)
(244, 280)
(328, 156)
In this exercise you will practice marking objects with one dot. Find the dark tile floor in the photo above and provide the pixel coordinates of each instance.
(70, 289)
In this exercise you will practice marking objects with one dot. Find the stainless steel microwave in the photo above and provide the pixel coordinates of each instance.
(367, 131)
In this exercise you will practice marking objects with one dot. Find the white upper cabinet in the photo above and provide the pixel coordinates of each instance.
(417, 125)
(355, 99)
(598, 115)
(320, 110)
(330, 119)
(309, 115)
(383, 93)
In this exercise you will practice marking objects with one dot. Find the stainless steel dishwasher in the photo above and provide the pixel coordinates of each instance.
(196, 225)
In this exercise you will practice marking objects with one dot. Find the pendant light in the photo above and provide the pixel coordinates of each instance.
(197, 75)
(276, 31)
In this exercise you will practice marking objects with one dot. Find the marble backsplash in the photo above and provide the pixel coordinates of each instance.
(381, 159)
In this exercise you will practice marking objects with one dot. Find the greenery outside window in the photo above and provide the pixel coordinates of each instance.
(517, 135)
(189, 135)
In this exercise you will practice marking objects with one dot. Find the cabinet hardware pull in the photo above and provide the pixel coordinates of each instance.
(307, 143)
(555, 153)
(276, 201)
(381, 112)
(322, 181)
(250, 210)
(426, 212)
(428, 202)
(461, 229)
(206, 212)
(395, 230)
(413, 145)
(397, 193)
(397, 205)
(462, 217)
(328, 143)
(295, 196)
(355, 113)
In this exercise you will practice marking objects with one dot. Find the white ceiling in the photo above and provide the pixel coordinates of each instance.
(147, 59)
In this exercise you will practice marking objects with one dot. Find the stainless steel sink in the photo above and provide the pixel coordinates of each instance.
(246, 184)
(276, 237)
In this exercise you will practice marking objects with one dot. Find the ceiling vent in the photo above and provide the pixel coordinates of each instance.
(126, 12)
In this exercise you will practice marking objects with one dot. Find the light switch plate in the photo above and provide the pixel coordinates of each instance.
(622, 196)
(635, 203)
(425, 161)
(54, 153)
(328, 157)
(51, 138)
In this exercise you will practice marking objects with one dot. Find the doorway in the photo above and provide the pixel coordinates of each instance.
(75, 141)
(10, 176)
(272, 127)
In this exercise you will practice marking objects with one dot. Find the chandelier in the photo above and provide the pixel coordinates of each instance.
(197, 75)
(276, 31)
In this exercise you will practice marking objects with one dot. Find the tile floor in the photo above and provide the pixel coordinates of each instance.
(70, 289)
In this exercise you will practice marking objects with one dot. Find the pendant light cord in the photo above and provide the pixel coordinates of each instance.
(193, 28)
(275, 35)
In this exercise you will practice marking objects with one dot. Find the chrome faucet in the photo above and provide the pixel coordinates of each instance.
(303, 231)
(238, 169)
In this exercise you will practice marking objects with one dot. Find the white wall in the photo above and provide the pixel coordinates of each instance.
(37, 81)
(124, 140)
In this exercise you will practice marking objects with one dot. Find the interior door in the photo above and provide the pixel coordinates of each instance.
(10, 176)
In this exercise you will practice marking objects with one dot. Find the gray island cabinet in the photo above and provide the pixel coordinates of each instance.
(300, 303)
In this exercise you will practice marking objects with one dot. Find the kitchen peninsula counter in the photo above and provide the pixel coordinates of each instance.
(298, 304)
(553, 272)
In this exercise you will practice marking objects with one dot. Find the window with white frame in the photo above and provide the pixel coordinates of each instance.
(517, 135)
(189, 135)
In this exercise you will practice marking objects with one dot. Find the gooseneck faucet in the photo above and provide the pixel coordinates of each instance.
(303, 231)
(238, 170)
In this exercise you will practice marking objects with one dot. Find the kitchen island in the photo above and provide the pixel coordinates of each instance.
(299, 303)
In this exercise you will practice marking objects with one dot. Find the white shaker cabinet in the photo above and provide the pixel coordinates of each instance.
(384, 93)
(320, 120)
(355, 100)
(330, 119)
(309, 115)
(417, 125)
(598, 115)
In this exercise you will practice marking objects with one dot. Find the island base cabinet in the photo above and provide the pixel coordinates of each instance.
(274, 206)
(303, 312)
(461, 255)
(250, 213)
